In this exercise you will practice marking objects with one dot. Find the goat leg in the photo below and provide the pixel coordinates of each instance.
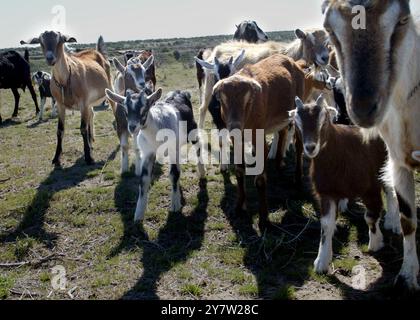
(299, 161)
(405, 187)
(261, 185)
(34, 98)
(175, 176)
(54, 107)
(240, 177)
(17, 99)
(60, 135)
(328, 226)
(41, 114)
(374, 205)
(84, 130)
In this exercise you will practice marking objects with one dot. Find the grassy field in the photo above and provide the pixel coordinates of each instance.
(80, 218)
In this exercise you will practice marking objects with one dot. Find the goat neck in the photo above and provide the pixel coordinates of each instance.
(61, 70)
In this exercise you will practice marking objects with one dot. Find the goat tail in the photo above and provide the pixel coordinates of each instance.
(26, 56)
(101, 47)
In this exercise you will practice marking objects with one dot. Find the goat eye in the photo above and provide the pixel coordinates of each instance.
(403, 21)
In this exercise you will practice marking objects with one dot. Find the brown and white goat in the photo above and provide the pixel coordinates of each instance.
(259, 97)
(380, 65)
(78, 82)
(314, 80)
(344, 166)
(133, 77)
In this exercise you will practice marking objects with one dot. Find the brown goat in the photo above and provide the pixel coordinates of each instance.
(344, 166)
(314, 80)
(78, 82)
(259, 97)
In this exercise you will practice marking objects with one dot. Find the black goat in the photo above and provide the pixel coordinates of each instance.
(15, 73)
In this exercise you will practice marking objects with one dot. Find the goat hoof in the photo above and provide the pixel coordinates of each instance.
(224, 169)
(240, 209)
(56, 162)
(90, 161)
(404, 285)
(203, 183)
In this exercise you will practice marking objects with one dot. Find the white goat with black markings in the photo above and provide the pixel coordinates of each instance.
(131, 77)
(43, 80)
(147, 117)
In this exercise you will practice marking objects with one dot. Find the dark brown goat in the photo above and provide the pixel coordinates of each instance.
(344, 166)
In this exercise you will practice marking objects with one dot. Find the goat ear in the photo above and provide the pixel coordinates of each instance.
(300, 34)
(149, 62)
(325, 6)
(320, 101)
(118, 65)
(299, 103)
(67, 39)
(31, 41)
(333, 112)
(153, 98)
(292, 114)
(150, 86)
(239, 59)
(114, 97)
(204, 64)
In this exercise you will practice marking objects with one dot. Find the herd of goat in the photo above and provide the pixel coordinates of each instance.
(305, 93)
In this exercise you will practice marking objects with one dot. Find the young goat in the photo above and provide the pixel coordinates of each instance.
(43, 80)
(79, 82)
(258, 98)
(344, 166)
(146, 119)
(132, 77)
(15, 74)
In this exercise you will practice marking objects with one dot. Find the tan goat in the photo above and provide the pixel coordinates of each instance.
(259, 97)
(78, 82)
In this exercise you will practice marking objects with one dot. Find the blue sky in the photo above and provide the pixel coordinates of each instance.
(141, 19)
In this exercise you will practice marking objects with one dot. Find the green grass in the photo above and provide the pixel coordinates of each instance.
(6, 284)
(85, 214)
(192, 290)
(250, 290)
(285, 293)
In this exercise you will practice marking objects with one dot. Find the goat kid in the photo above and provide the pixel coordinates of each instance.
(43, 80)
(344, 166)
(147, 118)
(132, 77)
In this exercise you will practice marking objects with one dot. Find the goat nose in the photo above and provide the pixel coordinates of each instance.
(49, 57)
(132, 128)
(310, 148)
(364, 112)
